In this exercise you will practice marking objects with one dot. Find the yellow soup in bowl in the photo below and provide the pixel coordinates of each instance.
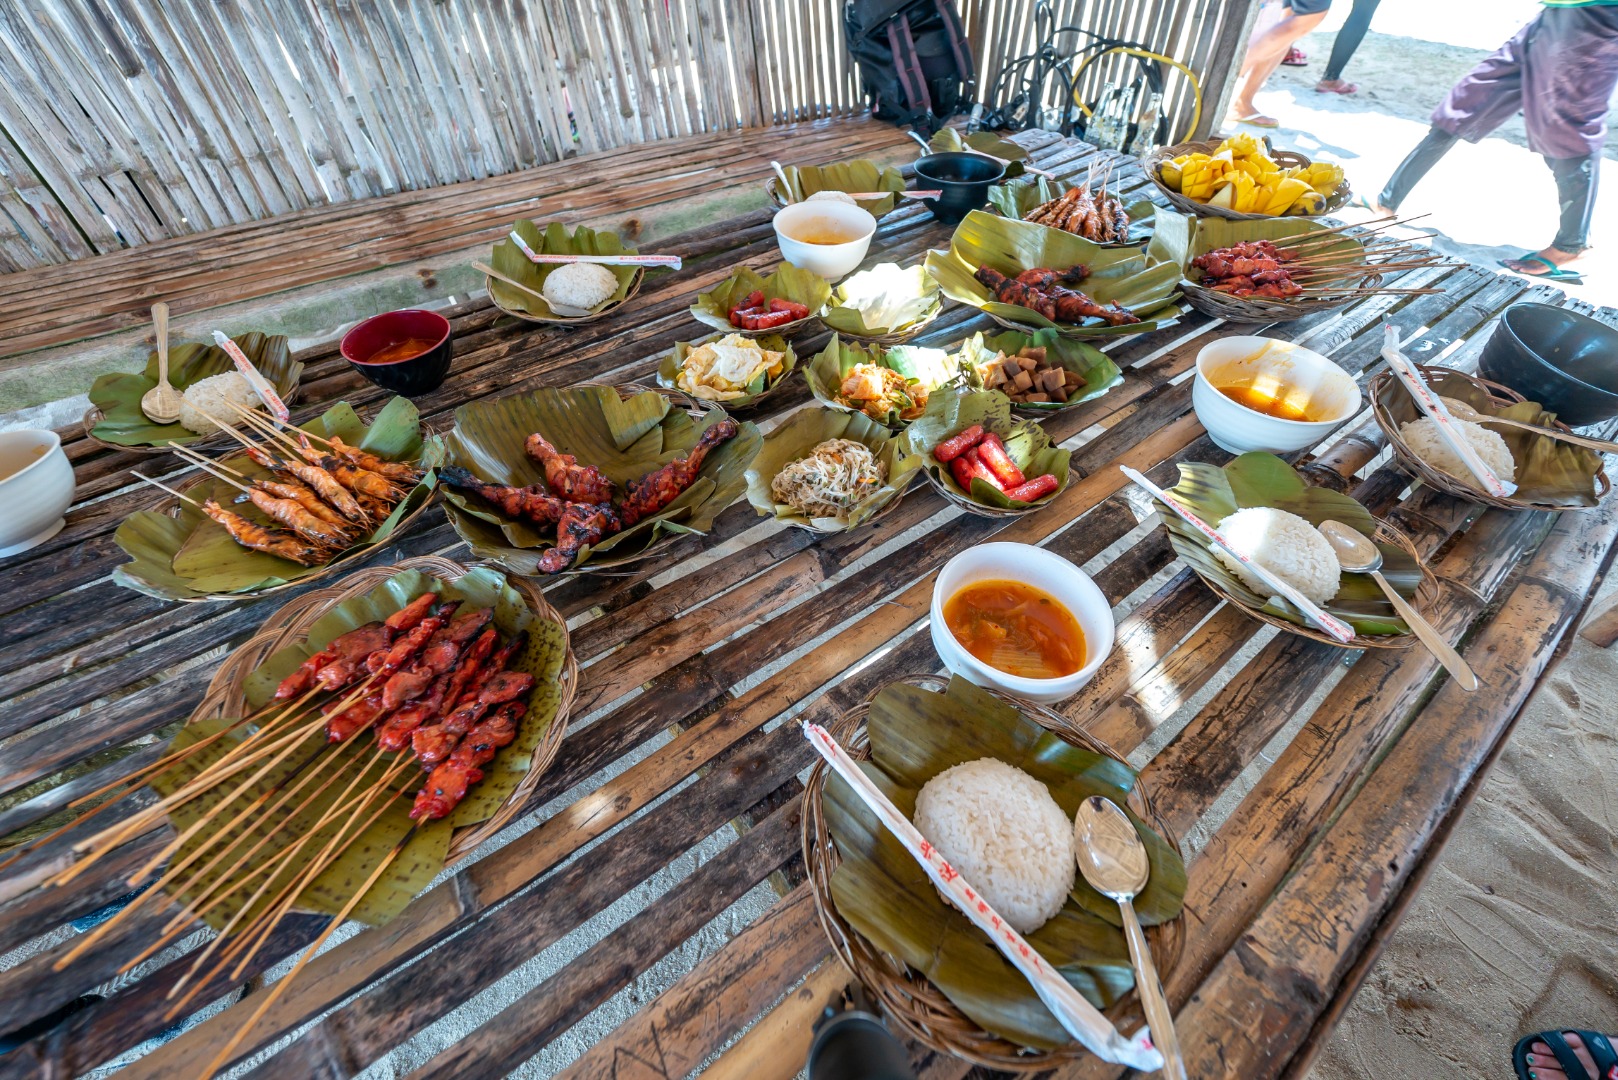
(1016, 628)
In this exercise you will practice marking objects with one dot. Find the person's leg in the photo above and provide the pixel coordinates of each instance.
(1415, 165)
(1264, 56)
(1348, 40)
(1576, 191)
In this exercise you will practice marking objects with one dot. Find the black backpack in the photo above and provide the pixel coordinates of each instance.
(914, 61)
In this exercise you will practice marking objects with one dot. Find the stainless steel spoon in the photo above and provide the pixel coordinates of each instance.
(1462, 411)
(1113, 860)
(161, 403)
(1358, 555)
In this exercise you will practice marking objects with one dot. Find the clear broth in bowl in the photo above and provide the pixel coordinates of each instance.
(824, 231)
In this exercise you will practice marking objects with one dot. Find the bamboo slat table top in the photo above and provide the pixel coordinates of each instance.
(1313, 785)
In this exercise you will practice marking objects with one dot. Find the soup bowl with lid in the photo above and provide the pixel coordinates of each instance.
(1301, 379)
(798, 228)
(1043, 570)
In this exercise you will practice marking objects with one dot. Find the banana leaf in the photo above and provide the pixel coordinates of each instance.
(1549, 472)
(788, 283)
(931, 368)
(1018, 200)
(886, 299)
(191, 556)
(1260, 479)
(1206, 234)
(949, 140)
(859, 175)
(882, 892)
(799, 435)
(1097, 370)
(949, 412)
(554, 240)
(118, 395)
(1147, 284)
(669, 370)
(624, 439)
(356, 768)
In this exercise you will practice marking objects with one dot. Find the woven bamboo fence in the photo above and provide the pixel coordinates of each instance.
(128, 121)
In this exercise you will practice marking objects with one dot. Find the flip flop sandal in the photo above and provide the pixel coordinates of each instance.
(1295, 57)
(1258, 120)
(1347, 88)
(1552, 273)
(1597, 1044)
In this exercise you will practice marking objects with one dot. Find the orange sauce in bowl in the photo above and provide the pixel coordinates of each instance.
(1268, 403)
(1016, 628)
(400, 350)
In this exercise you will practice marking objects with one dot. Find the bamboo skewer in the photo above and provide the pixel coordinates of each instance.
(266, 430)
(192, 455)
(280, 987)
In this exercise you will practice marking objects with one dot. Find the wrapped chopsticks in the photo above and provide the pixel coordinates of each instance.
(1334, 626)
(261, 386)
(1078, 1016)
(671, 262)
(1431, 404)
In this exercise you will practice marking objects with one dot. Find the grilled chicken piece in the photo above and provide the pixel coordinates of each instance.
(662, 486)
(567, 478)
(581, 524)
(529, 503)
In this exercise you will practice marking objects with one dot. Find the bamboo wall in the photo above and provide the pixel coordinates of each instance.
(127, 121)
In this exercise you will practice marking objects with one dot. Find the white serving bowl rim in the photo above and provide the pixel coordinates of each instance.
(55, 444)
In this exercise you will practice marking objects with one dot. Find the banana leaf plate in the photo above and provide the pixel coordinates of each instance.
(861, 175)
(1550, 474)
(762, 386)
(799, 435)
(1022, 197)
(1260, 479)
(940, 979)
(1146, 283)
(247, 679)
(177, 552)
(886, 304)
(712, 308)
(1208, 234)
(930, 369)
(951, 411)
(555, 239)
(1092, 365)
(114, 418)
(624, 438)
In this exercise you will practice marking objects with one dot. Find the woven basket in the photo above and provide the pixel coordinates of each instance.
(634, 287)
(920, 1009)
(93, 416)
(1500, 395)
(1245, 309)
(971, 506)
(226, 697)
(171, 506)
(1426, 597)
(1286, 159)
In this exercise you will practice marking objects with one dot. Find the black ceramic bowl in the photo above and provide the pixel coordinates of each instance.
(1565, 361)
(963, 178)
(407, 352)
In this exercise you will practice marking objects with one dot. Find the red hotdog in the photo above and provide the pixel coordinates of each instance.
(1037, 488)
(956, 445)
(992, 452)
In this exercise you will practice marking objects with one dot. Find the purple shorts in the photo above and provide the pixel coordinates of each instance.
(1559, 71)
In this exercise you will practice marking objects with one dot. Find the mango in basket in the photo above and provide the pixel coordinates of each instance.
(1240, 175)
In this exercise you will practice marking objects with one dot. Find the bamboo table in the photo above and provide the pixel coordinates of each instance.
(1319, 784)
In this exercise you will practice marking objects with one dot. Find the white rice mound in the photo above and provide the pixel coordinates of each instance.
(1424, 441)
(833, 196)
(210, 396)
(573, 290)
(1284, 544)
(1002, 830)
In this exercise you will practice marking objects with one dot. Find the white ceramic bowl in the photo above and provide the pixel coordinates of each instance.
(1314, 384)
(36, 488)
(1044, 570)
(830, 261)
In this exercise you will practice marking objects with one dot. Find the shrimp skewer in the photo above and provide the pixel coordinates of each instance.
(252, 535)
(353, 455)
(288, 511)
(356, 479)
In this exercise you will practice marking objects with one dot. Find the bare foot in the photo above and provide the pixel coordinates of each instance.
(1542, 1064)
(1555, 256)
(1336, 86)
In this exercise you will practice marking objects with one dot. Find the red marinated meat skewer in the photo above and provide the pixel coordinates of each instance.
(447, 784)
(440, 695)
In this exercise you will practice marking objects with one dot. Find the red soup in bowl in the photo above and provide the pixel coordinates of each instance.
(406, 351)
